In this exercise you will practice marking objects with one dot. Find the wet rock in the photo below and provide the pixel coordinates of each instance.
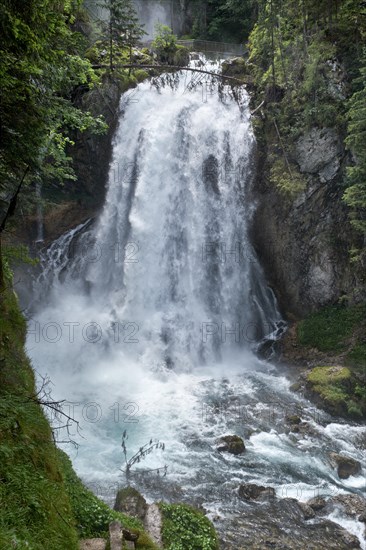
(269, 349)
(251, 491)
(232, 444)
(128, 535)
(317, 503)
(307, 510)
(234, 67)
(293, 419)
(345, 465)
(336, 79)
(349, 539)
(282, 524)
(353, 505)
(131, 502)
(318, 151)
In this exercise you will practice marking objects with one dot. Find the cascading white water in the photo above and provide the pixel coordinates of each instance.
(147, 319)
(170, 255)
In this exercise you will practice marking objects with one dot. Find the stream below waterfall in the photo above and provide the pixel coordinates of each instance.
(149, 318)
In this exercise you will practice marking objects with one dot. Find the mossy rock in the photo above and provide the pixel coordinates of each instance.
(329, 375)
(335, 329)
(234, 67)
(181, 56)
(345, 465)
(131, 502)
(337, 390)
(232, 444)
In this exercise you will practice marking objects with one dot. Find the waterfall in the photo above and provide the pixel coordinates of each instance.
(148, 319)
(170, 255)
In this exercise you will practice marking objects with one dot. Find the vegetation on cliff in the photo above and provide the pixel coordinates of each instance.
(43, 504)
(46, 68)
(308, 66)
(35, 510)
(337, 333)
(338, 390)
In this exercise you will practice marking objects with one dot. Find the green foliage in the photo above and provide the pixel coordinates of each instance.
(15, 255)
(330, 328)
(339, 330)
(287, 178)
(164, 43)
(166, 48)
(93, 516)
(185, 528)
(122, 28)
(355, 194)
(41, 64)
(35, 511)
(339, 390)
(43, 504)
(357, 356)
(229, 20)
(326, 375)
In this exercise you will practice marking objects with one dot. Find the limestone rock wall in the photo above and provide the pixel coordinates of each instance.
(304, 243)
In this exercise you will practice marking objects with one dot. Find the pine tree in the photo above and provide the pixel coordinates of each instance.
(122, 27)
(355, 194)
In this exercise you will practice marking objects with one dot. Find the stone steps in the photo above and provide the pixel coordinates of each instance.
(92, 544)
(116, 540)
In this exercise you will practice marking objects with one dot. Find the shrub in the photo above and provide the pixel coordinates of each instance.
(185, 528)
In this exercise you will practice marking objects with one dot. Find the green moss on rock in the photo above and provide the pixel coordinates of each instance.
(334, 389)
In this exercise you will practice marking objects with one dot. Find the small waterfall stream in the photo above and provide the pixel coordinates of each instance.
(148, 320)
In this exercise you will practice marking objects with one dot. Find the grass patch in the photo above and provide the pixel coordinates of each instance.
(94, 516)
(329, 375)
(357, 357)
(185, 528)
(330, 329)
(35, 511)
(339, 390)
(43, 503)
(336, 330)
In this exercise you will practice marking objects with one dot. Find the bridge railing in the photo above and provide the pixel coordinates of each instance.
(207, 46)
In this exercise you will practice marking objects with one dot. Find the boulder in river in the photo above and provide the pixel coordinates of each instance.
(353, 505)
(317, 503)
(251, 491)
(307, 510)
(345, 465)
(235, 66)
(232, 444)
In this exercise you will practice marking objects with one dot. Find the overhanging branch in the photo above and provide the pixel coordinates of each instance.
(174, 67)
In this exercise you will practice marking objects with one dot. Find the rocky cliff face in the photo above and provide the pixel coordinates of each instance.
(92, 153)
(304, 243)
